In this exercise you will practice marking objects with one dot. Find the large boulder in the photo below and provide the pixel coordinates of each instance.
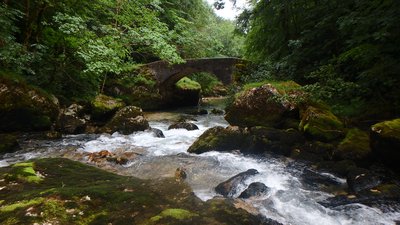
(71, 120)
(385, 141)
(228, 188)
(267, 105)
(253, 140)
(126, 121)
(185, 92)
(104, 107)
(320, 124)
(355, 146)
(25, 108)
(221, 139)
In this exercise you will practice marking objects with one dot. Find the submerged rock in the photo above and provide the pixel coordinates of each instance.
(25, 108)
(320, 124)
(126, 121)
(385, 142)
(264, 105)
(183, 125)
(157, 133)
(228, 188)
(255, 189)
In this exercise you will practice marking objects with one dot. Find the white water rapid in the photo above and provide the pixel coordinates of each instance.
(289, 201)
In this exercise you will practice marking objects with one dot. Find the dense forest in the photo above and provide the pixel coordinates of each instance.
(346, 52)
(68, 47)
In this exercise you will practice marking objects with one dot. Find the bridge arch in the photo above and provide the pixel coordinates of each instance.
(167, 74)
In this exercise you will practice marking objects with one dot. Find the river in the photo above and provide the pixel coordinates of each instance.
(289, 201)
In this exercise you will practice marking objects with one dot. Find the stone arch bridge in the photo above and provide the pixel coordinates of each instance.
(167, 74)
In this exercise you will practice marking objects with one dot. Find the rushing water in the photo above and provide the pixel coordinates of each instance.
(290, 201)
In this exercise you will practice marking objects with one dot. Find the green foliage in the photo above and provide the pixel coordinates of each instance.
(207, 81)
(343, 50)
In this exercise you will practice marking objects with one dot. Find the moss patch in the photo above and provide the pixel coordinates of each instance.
(388, 129)
(354, 146)
(320, 124)
(103, 107)
(179, 214)
(24, 172)
(74, 193)
(187, 84)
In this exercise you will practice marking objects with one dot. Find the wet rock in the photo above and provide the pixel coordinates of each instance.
(180, 174)
(264, 105)
(320, 124)
(340, 168)
(25, 108)
(126, 121)
(360, 179)
(314, 179)
(183, 125)
(217, 111)
(355, 146)
(228, 188)
(157, 132)
(385, 142)
(221, 139)
(104, 107)
(255, 189)
(118, 160)
(71, 120)
(8, 143)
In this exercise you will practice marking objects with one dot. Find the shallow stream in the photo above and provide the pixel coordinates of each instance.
(290, 200)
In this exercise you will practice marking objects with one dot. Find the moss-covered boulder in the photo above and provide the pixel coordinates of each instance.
(385, 141)
(25, 108)
(61, 191)
(254, 140)
(355, 146)
(221, 139)
(8, 143)
(126, 121)
(267, 105)
(104, 107)
(320, 124)
(185, 92)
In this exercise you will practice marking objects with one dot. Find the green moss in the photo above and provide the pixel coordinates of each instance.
(24, 172)
(179, 214)
(354, 146)
(105, 106)
(282, 86)
(320, 124)
(187, 84)
(388, 129)
(21, 204)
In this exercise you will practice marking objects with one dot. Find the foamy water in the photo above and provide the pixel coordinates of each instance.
(289, 200)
